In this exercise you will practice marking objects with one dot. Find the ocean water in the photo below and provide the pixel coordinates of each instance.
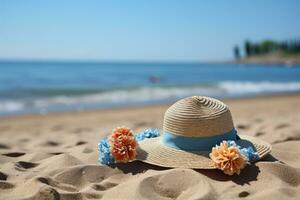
(42, 87)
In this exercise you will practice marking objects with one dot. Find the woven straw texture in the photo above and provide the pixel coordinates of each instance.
(196, 116)
(153, 151)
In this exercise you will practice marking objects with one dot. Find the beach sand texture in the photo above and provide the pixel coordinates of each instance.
(55, 156)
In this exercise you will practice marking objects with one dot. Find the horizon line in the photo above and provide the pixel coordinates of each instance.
(39, 60)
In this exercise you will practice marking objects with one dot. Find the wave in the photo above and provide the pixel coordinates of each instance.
(259, 87)
(145, 95)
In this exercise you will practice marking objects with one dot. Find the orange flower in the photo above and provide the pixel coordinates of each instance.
(227, 158)
(123, 144)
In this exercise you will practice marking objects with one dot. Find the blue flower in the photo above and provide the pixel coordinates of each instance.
(232, 143)
(148, 133)
(105, 156)
(248, 152)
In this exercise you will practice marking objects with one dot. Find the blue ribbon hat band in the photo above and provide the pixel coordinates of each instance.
(197, 143)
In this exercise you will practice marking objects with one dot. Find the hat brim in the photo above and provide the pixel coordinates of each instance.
(153, 151)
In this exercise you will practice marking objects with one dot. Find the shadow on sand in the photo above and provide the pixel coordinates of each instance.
(246, 176)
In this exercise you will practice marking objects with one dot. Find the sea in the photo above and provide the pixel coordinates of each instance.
(48, 86)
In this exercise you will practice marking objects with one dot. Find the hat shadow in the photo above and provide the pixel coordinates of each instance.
(246, 176)
(137, 166)
(271, 158)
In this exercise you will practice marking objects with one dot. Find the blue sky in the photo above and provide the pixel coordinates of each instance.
(140, 30)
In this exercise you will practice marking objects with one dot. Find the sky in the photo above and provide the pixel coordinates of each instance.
(140, 30)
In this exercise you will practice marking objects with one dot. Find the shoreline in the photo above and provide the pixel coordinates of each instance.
(270, 60)
(134, 107)
(267, 63)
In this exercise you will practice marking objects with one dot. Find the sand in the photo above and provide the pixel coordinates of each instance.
(55, 156)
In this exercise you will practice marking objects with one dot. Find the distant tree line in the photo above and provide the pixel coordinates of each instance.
(268, 46)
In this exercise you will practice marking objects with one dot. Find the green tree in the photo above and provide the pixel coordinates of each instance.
(248, 48)
(267, 46)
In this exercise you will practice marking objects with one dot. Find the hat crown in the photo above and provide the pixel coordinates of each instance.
(198, 116)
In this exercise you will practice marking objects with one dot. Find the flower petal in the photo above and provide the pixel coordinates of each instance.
(227, 157)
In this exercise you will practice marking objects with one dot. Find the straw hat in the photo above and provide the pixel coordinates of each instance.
(192, 126)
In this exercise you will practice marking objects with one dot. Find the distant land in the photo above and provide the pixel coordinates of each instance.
(269, 52)
(272, 58)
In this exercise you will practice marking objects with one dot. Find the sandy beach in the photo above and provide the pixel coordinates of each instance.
(54, 156)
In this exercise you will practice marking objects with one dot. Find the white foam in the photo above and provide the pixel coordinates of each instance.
(11, 106)
(258, 87)
(128, 96)
(148, 95)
